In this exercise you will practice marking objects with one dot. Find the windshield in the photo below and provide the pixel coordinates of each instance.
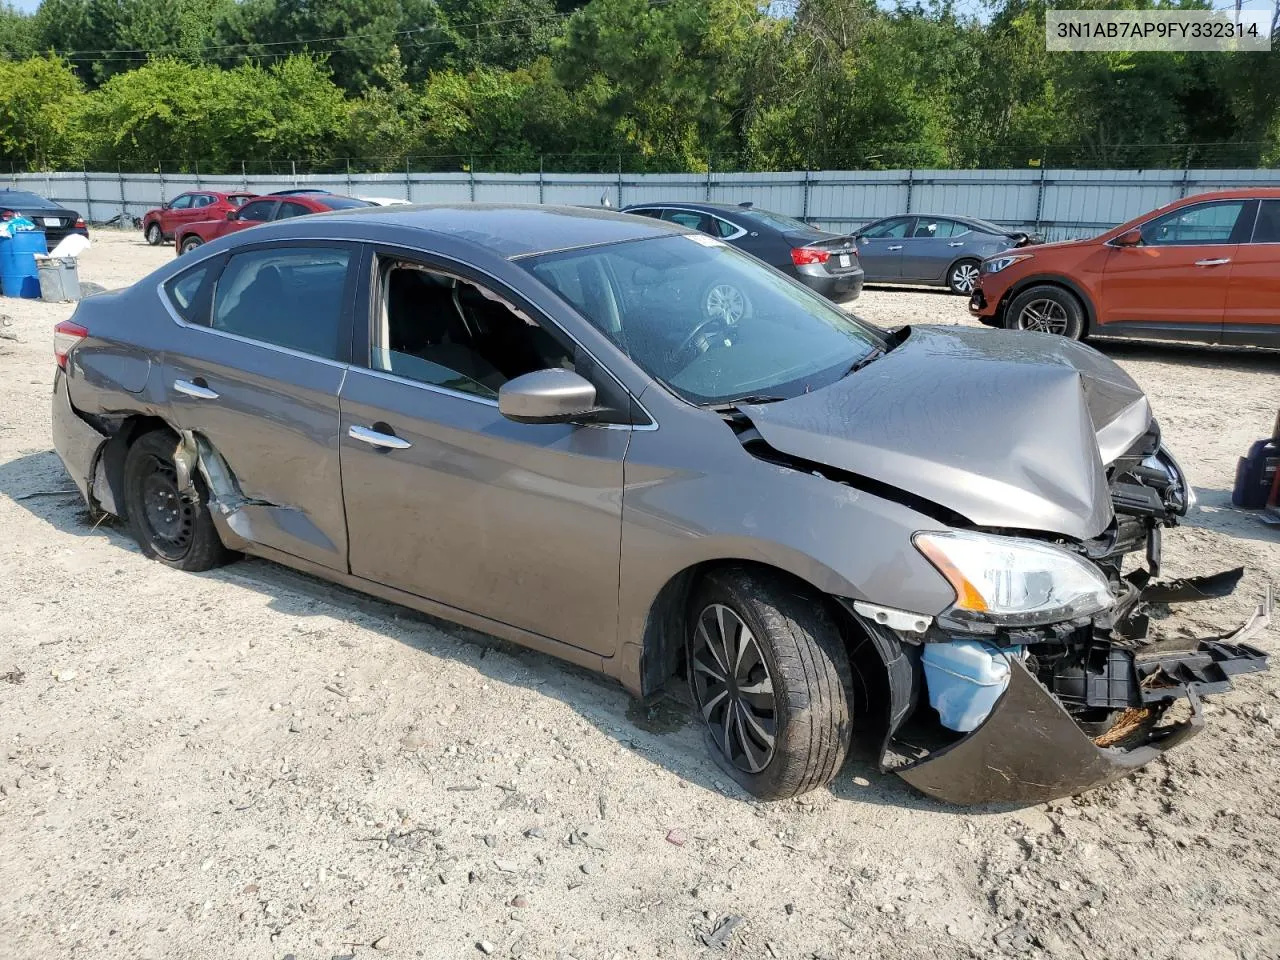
(709, 322)
(343, 203)
(16, 198)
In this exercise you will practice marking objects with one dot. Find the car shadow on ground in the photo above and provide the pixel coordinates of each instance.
(880, 287)
(1214, 511)
(661, 730)
(1208, 356)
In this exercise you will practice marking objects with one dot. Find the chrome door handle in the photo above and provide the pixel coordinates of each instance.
(1213, 263)
(195, 390)
(957, 243)
(898, 247)
(386, 441)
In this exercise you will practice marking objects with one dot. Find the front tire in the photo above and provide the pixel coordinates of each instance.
(1047, 309)
(962, 278)
(190, 244)
(170, 526)
(155, 236)
(771, 682)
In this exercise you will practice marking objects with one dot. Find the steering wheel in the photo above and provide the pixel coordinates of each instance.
(699, 339)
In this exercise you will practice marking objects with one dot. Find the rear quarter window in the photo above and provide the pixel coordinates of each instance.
(185, 291)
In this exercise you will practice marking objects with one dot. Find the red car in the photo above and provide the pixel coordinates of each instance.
(164, 222)
(1204, 268)
(261, 210)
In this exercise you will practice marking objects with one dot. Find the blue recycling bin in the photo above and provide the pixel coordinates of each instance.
(19, 276)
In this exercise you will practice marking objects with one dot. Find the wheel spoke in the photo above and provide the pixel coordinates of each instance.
(727, 745)
(728, 625)
(711, 705)
(761, 733)
(756, 756)
(705, 636)
(701, 665)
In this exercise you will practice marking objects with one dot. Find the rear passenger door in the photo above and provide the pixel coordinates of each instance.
(928, 251)
(254, 367)
(1253, 295)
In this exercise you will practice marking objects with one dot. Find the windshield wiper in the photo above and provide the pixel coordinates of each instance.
(740, 401)
(875, 354)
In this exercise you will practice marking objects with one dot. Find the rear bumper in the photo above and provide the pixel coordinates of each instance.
(1030, 749)
(76, 442)
(840, 288)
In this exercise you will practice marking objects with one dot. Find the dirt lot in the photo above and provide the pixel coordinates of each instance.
(251, 763)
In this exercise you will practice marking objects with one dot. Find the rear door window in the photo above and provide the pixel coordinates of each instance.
(290, 297)
(290, 209)
(1267, 229)
(689, 218)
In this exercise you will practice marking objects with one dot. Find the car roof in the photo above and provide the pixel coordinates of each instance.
(508, 230)
(694, 205)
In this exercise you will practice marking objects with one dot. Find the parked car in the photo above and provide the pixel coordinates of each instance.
(931, 250)
(532, 420)
(1203, 268)
(295, 191)
(167, 220)
(53, 218)
(261, 210)
(821, 261)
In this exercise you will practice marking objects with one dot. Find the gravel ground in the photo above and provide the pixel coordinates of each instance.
(251, 763)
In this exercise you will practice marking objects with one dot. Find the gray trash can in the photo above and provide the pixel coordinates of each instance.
(59, 279)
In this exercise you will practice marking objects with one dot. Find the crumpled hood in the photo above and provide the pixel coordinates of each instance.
(1008, 429)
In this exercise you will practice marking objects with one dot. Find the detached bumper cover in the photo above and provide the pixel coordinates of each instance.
(1030, 750)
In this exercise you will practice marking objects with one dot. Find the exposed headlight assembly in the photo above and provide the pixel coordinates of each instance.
(1004, 262)
(1012, 581)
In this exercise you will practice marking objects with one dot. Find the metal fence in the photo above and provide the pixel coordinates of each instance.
(1059, 204)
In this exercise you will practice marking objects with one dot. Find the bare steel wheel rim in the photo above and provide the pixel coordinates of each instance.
(733, 688)
(1044, 316)
(726, 302)
(168, 515)
(964, 277)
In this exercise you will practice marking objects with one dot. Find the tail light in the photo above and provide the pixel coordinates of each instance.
(65, 336)
(80, 223)
(801, 256)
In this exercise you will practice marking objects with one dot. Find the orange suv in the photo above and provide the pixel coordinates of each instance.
(1203, 268)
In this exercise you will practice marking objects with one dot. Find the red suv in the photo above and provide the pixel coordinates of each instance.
(163, 222)
(262, 210)
(1203, 268)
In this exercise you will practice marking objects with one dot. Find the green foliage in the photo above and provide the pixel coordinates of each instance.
(641, 84)
(38, 113)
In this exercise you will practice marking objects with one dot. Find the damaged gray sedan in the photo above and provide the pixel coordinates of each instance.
(542, 423)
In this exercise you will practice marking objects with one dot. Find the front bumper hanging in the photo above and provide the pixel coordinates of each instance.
(1031, 750)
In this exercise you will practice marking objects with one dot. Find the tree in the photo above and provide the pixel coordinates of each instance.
(39, 111)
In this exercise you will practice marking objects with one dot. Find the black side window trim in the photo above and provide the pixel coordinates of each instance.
(197, 315)
(346, 321)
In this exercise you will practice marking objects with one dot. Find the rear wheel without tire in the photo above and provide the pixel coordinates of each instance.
(963, 277)
(170, 526)
(190, 244)
(1047, 309)
(155, 236)
(771, 681)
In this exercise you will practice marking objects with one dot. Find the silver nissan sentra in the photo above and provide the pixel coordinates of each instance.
(536, 421)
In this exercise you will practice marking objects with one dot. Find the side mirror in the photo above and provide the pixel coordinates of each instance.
(1130, 238)
(546, 396)
(233, 215)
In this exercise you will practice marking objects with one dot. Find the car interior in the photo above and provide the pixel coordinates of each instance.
(438, 329)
